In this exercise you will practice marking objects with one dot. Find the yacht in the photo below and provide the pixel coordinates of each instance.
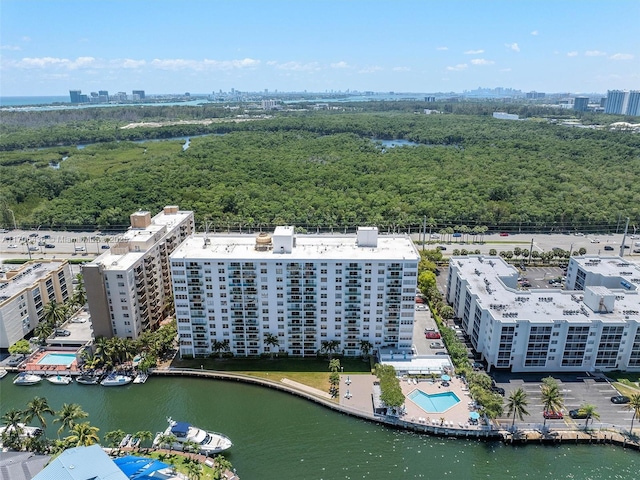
(24, 430)
(209, 442)
(25, 378)
(60, 379)
(116, 380)
(3, 372)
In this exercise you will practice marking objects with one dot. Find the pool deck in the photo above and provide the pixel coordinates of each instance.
(456, 417)
(31, 364)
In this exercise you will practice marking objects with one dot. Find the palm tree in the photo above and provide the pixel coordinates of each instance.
(143, 435)
(634, 405)
(334, 365)
(271, 340)
(36, 408)
(43, 330)
(114, 437)
(590, 413)
(169, 440)
(365, 348)
(55, 313)
(11, 435)
(517, 404)
(67, 416)
(219, 347)
(330, 346)
(552, 400)
(220, 465)
(83, 435)
(194, 470)
(191, 446)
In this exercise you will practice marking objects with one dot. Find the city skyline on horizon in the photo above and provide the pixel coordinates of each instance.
(320, 46)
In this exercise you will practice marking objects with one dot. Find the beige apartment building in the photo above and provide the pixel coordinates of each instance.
(128, 286)
(24, 294)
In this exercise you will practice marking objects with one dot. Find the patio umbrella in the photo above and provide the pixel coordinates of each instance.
(446, 378)
(474, 415)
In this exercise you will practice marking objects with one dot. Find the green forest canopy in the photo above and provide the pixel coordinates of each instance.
(326, 170)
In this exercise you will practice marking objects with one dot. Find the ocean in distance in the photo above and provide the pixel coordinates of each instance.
(25, 101)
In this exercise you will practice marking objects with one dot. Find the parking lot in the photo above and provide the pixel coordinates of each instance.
(49, 244)
(577, 389)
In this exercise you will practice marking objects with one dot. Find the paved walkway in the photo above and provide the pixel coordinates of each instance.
(306, 388)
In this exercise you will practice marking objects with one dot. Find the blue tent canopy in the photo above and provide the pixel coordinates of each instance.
(138, 468)
(474, 415)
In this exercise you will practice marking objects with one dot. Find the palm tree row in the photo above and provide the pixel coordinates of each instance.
(68, 417)
(112, 352)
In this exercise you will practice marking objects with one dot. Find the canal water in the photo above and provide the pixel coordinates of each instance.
(279, 436)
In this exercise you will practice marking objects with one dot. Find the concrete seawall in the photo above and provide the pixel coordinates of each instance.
(521, 437)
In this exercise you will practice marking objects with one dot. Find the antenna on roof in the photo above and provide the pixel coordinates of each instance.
(206, 234)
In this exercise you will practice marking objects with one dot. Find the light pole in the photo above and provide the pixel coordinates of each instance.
(15, 227)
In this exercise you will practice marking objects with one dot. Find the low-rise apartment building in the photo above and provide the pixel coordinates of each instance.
(25, 292)
(129, 286)
(593, 326)
(282, 292)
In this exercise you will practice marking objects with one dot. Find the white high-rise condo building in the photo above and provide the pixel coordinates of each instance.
(24, 294)
(129, 286)
(282, 292)
(595, 327)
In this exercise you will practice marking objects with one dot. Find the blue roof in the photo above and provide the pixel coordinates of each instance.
(180, 429)
(81, 463)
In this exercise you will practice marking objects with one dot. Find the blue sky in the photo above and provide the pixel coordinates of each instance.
(200, 46)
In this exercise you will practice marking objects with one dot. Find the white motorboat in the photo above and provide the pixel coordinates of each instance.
(60, 379)
(116, 380)
(3, 373)
(24, 430)
(88, 379)
(209, 442)
(25, 378)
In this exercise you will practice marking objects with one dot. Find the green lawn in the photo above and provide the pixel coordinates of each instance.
(313, 372)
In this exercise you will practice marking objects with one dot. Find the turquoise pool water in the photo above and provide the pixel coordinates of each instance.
(65, 359)
(435, 402)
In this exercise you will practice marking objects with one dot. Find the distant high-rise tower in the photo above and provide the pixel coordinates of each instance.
(633, 106)
(616, 102)
(580, 104)
(75, 95)
(139, 93)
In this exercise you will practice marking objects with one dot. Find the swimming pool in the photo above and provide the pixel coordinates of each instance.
(65, 359)
(435, 402)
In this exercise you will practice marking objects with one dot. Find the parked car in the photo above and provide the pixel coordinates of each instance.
(33, 234)
(46, 237)
(13, 245)
(577, 413)
(41, 243)
(440, 247)
(456, 235)
(477, 366)
(620, 399)
(33, 249)
(49, 245)
(8, 239)
(105, 247)
(550, 414)
(436, 345)
(595, 240)
(504, 234)
(442, 353)
(61, 332)
(608, 248)
(432, 335)
(498, 390)
(4, 230)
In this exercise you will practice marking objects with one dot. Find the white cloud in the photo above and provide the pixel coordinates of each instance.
(47, 62)
(594, 53)
(534, 33)
(401, 69)
(513, 46)
(442, 48)
(340, 64)
(505, 70)
(473, 52)
(621, 56)
(458, 68)
(130, 63)
(12, 48)
(371, 69)
(482, 61)
(572, 54)
(26, 39)
(298, 67)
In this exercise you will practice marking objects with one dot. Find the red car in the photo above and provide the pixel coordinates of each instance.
(504, 234)
(432, 335)
(550, 414)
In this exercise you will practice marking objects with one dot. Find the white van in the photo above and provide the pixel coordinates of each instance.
(79, 249)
